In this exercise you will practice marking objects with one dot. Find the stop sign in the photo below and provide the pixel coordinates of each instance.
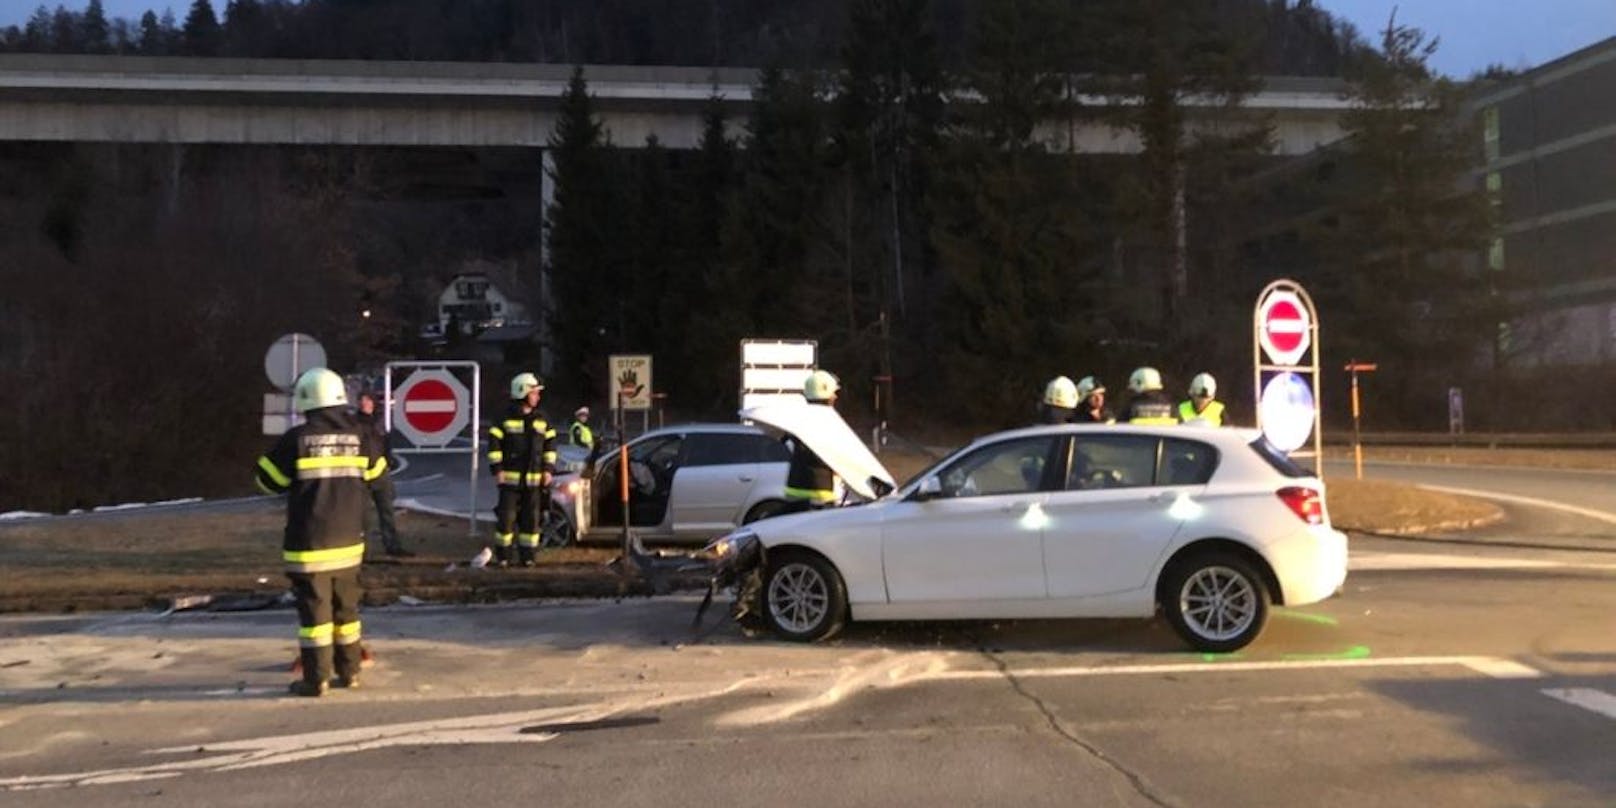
(431, 408)
(1285, 329)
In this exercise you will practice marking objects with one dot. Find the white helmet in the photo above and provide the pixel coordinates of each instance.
(523, 383)
(318, 388)
(581, 412)
(822, 385)
(1203, 385)
(1060, 392)
(1088, 387)
(1144, 380)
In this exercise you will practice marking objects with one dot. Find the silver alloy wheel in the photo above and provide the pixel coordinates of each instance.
(799, 598)
(1218, 603)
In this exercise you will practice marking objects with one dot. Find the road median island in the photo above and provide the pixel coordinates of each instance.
(1377, 506)
(230, 561)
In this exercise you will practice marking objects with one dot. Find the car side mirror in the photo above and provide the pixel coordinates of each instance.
(880, 487)
(930, 488)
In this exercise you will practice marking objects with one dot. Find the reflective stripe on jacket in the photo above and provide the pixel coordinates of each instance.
(582, 435)
(808, 477)
(521, 446)
(322, 466)
(1150, 408)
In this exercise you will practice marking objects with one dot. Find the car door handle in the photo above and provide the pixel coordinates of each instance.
(1013, 508)
(745, 478)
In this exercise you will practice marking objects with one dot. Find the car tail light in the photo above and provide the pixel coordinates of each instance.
(1306, 503)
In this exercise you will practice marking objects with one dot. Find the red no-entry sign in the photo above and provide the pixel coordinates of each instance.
(1284, 328)
(432, 408)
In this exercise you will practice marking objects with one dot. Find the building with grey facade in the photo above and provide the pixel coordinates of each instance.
(1549, 156)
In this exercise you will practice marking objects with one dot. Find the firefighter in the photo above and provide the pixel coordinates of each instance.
(1091, 407)
(1202, 407)
(1060, 401)
(325, 465)
(382, 491)
(1148, 404)
(809, 481)
(580, 432)
(522, 456)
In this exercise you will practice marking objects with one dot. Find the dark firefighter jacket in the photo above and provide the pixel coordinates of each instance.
(521, 447)
(323, 466)
(1150, 407)
(1050, 414)
(1086, 415)
(807, 477)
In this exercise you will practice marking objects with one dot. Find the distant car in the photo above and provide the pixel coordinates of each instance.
(686, 484)
(1207, 526)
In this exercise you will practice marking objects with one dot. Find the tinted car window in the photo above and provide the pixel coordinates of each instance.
(1277, 459)
(661, 452)
(1009, 467)
(770, 450)
(722, 449)
(1112, 461)
(1186, 462)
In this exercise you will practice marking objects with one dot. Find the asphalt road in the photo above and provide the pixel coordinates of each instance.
(1444, 676)
(1481, 672)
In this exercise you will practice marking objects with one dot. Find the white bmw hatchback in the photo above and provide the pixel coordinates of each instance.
(1206, 526)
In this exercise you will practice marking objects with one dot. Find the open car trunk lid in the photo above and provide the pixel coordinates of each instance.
(824, 431)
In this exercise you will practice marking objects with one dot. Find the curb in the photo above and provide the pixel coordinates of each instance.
(1435, 527)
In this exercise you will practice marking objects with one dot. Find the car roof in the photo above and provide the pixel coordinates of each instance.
(703, 428)
(1223, 436)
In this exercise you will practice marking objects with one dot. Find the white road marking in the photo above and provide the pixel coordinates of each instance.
(1603, 516)
(1587, 698)
(1365, 561)
(255, 752)
(1490, 666)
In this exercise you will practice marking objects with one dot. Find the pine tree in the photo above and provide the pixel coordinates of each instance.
(65, 31)
(1019, 304)
(1400, 260)
(243, 24)
(583, 243)
(1175, 61)
(94, 33)
(153, 42)
(890, 105)
(766, 278)
(711, 181)
(36, 36)
(201, 35)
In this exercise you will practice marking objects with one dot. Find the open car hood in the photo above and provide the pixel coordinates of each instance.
(824, 431)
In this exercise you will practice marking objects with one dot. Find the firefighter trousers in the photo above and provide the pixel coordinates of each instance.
(328, 622)
(517, 516)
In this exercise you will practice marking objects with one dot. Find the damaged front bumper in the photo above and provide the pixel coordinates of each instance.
(737, 561)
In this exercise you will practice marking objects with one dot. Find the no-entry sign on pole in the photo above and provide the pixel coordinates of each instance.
(1284, 327)
(432, 408)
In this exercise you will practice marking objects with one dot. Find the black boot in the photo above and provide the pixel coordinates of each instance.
(525, 555)
(304, 687)
(502, 557)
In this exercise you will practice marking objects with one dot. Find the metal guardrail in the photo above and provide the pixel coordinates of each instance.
(1482, 440)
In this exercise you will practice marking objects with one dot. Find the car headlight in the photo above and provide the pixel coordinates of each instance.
(731, 546)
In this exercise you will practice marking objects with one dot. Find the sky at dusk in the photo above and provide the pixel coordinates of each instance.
(1474, 33)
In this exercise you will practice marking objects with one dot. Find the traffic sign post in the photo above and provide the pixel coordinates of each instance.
(1285, 333)
(1355, 367)
(630, 376)
(432, 407)
(286, 360)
